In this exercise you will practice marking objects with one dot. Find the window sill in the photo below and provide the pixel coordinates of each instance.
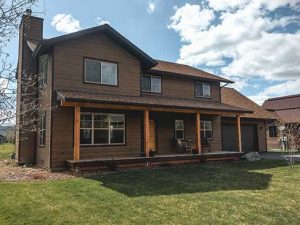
(110, 85)
(101, 145)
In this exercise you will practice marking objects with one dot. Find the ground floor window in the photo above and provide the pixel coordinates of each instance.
(273, 131)
(179, 129)
(206, 129)
(102, 128)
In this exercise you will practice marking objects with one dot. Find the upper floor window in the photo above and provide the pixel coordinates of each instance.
(101, 72)
(43, 70)
(206, 129)
(151, 83)
(202, 90)
(273, 132)
(179, 129)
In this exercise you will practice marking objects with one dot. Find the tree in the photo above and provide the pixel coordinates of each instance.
(11, 13)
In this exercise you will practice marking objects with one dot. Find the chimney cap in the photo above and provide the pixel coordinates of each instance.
(28, 12)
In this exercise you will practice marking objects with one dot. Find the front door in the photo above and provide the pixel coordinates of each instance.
(152, 141)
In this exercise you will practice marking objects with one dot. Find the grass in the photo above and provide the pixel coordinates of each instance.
(5, 150)
(265, 192)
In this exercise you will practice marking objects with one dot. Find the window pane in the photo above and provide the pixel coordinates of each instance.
(146, 83)
(100, 136)
(208, 125)
(116, 121)
(179, 134)
(117, 137)
(93, 71)
(109, 73)
(86, 121)
(85, 136)
(179, 124)
(199, 89)
(202, 125)
(155, 84)
(43, 70)
(101, 120)
(208, 134)
(206, 90)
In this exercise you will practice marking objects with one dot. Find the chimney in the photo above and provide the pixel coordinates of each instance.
(31, 27)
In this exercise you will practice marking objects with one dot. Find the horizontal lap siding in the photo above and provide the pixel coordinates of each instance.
(165, 131)
(185, 88)
(62, 148)
(69, 65)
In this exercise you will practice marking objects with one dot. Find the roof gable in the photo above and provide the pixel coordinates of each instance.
(146, 60)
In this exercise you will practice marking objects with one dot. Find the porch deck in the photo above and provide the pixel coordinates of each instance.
(105, 163)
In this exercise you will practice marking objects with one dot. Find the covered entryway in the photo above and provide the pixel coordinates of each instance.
(249, 137)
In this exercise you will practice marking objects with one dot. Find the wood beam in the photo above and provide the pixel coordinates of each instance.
(146, 133)
(238, 133)
(76, 133)
(143, 108)
(198, 133)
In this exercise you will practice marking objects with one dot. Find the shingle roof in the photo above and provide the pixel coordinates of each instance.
(232, 97)
(289, 115)
(164, 67)
(285, 102)
(151, 101)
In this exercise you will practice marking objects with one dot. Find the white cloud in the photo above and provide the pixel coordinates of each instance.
(65, 23)
(151, 7)
(237, 36)
(99, 21)
(284, 88)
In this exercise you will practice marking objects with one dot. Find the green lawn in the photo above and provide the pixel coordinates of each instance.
(5, 150)
(265, 192)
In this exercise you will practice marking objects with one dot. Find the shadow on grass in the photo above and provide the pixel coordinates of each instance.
(186, 179)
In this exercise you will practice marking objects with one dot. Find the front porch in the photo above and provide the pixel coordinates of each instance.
(146, 130)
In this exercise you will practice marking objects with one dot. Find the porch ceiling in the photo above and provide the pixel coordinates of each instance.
(154, 103)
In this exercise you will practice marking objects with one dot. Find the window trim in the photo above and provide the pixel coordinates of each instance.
(147, 91)
(276, 132)
(99, 60)
(42, 121)
(179, 130)
(204, 130)
(202, 82)
(108, 129)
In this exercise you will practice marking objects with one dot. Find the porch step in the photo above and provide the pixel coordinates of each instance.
(159, 160)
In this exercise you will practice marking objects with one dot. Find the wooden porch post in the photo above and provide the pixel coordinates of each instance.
(146, 132)
(238, 133)
(198, 133)
(77, 133)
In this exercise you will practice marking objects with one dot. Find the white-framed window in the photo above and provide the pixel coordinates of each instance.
(102, 128)
(179, 129)
(206, 129)
(42, 129)
(43, 70)
(100, 72)
(151, 83)
(273, 131)
(202, 90)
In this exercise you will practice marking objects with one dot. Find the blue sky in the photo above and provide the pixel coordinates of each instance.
(255, 43)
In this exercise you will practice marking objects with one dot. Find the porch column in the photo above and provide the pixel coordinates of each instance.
(198, 133)
(146, 132)
(238, 133)
(77, 133)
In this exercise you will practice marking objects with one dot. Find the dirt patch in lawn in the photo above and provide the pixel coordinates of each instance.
(13, 173)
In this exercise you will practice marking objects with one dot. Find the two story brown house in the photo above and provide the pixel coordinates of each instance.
(106, 99)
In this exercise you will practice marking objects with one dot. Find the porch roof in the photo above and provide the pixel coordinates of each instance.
(148, 101)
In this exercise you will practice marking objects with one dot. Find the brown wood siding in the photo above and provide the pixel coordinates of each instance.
(62, 148)
(69, 64)
(165, 131)
(179, 87)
